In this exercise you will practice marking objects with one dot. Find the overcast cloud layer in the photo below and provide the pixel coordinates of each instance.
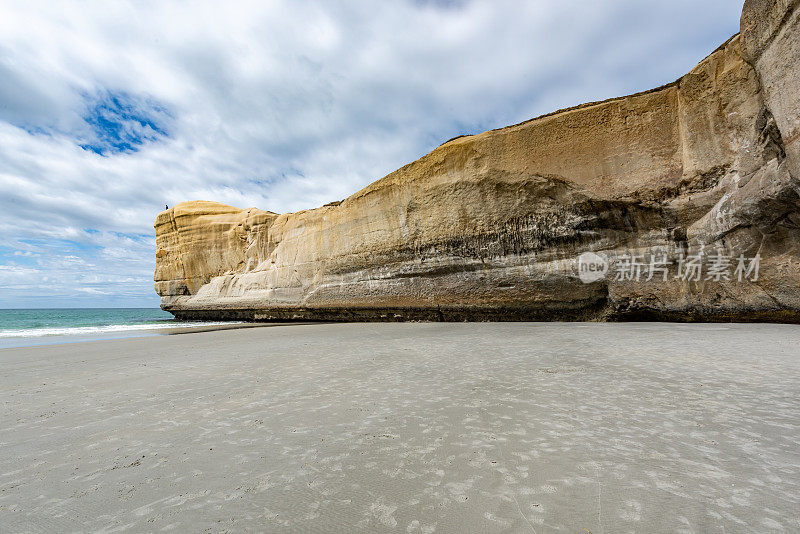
(109, 111)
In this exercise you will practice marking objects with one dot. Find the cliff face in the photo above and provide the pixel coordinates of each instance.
(702, 172)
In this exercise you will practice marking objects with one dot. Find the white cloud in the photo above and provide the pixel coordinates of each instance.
(283, 105)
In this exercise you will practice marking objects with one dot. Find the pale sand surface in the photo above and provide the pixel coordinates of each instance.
(407, 428)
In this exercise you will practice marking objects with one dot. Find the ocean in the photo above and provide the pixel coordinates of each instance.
(20, 328)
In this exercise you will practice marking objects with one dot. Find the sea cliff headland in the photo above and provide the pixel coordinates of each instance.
(679, 203)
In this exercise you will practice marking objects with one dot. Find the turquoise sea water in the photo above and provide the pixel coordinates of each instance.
(36, 326)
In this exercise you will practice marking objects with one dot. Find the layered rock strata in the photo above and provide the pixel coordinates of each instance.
(679, 203)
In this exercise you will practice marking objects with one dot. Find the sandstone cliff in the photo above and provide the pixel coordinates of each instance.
(704, 171)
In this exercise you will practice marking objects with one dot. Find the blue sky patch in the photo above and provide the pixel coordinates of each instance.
(122, 122)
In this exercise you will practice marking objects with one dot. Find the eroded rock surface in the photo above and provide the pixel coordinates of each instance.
(704, 171)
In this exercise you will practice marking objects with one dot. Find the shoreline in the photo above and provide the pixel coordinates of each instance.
(31, 341)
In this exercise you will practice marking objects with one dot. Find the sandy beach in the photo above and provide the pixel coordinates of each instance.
(532, 427)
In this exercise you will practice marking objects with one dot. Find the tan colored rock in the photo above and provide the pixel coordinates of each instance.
(491, 226)
(199, 240)
(772, 46)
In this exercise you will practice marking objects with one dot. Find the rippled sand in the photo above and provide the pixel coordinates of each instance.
(537, 427)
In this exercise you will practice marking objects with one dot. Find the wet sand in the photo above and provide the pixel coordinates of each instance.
(22, 340)
(534, 427)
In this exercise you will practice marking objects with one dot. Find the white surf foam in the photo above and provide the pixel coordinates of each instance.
(107, 329)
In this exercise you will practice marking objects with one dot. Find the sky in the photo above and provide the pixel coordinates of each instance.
(111, 110)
